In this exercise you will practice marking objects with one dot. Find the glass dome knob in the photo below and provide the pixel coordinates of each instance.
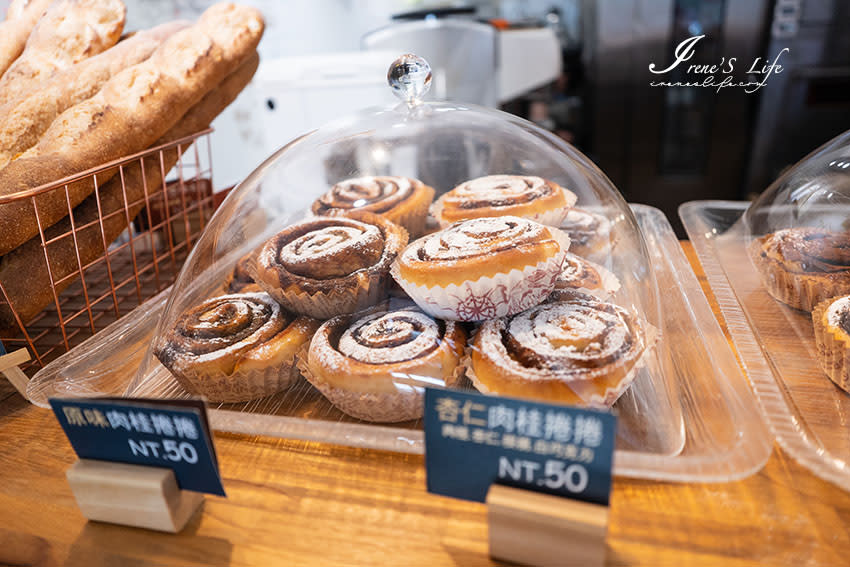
(409, 77)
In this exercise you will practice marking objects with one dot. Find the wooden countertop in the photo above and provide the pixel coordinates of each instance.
(297, 503)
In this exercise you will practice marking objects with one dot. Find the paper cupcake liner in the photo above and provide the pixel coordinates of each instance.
(414, 216)
(487, 297)
(405, 403)
(800, 291)
(833, 352)
(241, 386)
(583, 389)
(340, 301)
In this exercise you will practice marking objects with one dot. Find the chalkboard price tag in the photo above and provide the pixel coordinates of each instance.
(473, 441)
(171, 434)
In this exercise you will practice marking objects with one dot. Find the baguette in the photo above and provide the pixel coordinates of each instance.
(23, 272)
(70, 31)
(24, 120)
(132, 110)
(21, 18)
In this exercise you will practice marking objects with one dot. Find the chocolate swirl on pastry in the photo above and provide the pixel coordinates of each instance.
(391, 337)
(402, 200)
(376, 367)
(240, 279)
(224, 327)
(327, 266)
(838, 314)
(588, 231)
(502, 191)
(578, 273)
(476, 238)
(574, 349)
(495, 195)
(809, 249)
(803, 266)
(329, 248)
(234, 347)
(374, 194)
(831, 324)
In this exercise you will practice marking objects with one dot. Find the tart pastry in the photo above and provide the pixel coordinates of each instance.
(482, 268)
(375, 367)
(803, 266)
(831, 320)
(589, 232)
(240, 279)
(332, 265)
(496, 195)
(584, 275)
(235, 348)
(402, 200)
(573, 350)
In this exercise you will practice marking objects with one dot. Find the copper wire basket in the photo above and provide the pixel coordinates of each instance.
(156, 220)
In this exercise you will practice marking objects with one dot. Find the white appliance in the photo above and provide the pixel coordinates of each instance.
(289, 97)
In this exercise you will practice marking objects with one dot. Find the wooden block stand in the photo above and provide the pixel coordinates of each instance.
(531, 528)
(132, 495)
(9, 364)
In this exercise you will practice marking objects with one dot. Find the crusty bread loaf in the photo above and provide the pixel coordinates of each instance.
(70, 31)
(21, 18)
(132, 110)
(23, 272)
(25, 118)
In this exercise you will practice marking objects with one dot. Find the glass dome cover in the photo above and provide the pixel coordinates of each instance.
(780, 269)
(598, 338)
(798, 230)
(441, 145)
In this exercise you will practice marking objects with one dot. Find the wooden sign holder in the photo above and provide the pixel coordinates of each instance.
(132, 495)
(531, 528)
(9, 364)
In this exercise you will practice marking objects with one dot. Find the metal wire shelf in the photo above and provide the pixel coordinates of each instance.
(123, 244)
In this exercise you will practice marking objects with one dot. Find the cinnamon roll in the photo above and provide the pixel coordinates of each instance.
(240, 279)
(589, 232)
(573, 350)
(482, 268)
(495, 195)
(235, 348)
(803, 266)
(332, 265)
(375, 367)
(831, 320)
(584, 275)
(402, 200)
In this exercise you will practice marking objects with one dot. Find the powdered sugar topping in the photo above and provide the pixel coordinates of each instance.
(373, 193)
(837, 310)
(561, 334)
(475, 237)
(385, 338)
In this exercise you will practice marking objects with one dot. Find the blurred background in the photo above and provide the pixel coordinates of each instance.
(579, 68)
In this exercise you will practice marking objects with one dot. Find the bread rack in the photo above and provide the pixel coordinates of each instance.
(141, 262)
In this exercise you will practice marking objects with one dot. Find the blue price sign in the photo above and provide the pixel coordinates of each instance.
(473, 441)
(159, 433)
